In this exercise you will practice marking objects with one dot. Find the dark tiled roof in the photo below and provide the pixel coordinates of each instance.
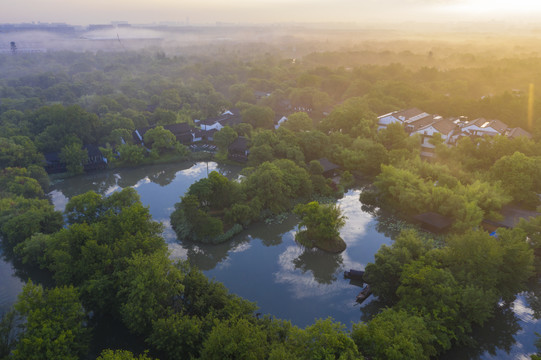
(327, 165)
(516, 132)
(444, 126)
(420, 123)
(240, 144)
(180, 128)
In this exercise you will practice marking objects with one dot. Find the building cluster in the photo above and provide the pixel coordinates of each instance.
(184, 133)
(451, 130)
(187, 134)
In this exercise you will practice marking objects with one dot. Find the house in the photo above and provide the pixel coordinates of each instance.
(329, 168)
(414, 125)
(279, 121)
(517, 132)
(482, 126)
(209, 135)
(401, 116)
(239, 149)
(445, 127)
(182, 132)
(227, 118)
(198, 135)
(53, 164)
(96, 160)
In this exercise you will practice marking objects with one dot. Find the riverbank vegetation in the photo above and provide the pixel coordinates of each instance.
(106, 255)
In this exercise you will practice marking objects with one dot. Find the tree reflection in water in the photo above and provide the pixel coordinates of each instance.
(322, 265)
(496, 335)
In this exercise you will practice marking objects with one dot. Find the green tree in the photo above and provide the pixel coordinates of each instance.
(160, 139)
(431, 292)
(131, 154)
(150, 287)
(299, 121)
(18, 151)
(267, 183)
(21, 218)
(224, 138)
(385, 272)
(109, 354)
(179, 336)
(235, 339)
(323, 223)
(7, 333)
(324, 339)
(394, 335)
(520, 176)
(74, 156)
(259, 117)
(53, 326)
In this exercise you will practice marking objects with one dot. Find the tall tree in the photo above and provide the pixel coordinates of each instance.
(53, 326)
(74, 156)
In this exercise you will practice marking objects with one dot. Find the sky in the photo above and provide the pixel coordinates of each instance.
(266, 11)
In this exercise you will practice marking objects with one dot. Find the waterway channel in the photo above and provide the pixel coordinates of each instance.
(264, 263)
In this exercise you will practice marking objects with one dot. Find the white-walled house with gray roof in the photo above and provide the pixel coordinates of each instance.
(401, 116)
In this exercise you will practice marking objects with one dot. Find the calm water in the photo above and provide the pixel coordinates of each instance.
(265, 265)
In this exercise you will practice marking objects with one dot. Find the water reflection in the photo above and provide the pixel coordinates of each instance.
(495, 339)
(322, 265)
(303, 284)
(533, 297)
(10, 285)
(207, 257)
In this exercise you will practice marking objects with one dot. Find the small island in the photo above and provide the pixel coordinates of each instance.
(322, 224)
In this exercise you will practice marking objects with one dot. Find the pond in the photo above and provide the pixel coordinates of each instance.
(264, 263)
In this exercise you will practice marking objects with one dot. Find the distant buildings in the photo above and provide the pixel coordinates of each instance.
(416, 121)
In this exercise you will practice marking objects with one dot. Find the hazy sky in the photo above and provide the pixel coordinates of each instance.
(264, 11)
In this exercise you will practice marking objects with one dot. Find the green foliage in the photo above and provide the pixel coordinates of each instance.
(93, 254)
(160, 139)
(299, 121)
(53, 326)
(18, 151)
(32, 250)
(21, 218)
(235, 339)
(324, 340)
(431, 293)
(322, 222)
(224, 138)
(18, 182)
(74, 156)
(259, 117)
(7, 333)
(179, 336)
(352, 117)
(109, 354)
(394, 335)
(384, 274)
(414, 191)
(520, 176)
(131, 154)
(150, 287)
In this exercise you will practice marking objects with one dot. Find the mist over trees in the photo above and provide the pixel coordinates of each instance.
(107, 257)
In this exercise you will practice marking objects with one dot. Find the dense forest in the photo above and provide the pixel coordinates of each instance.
(106, 257)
